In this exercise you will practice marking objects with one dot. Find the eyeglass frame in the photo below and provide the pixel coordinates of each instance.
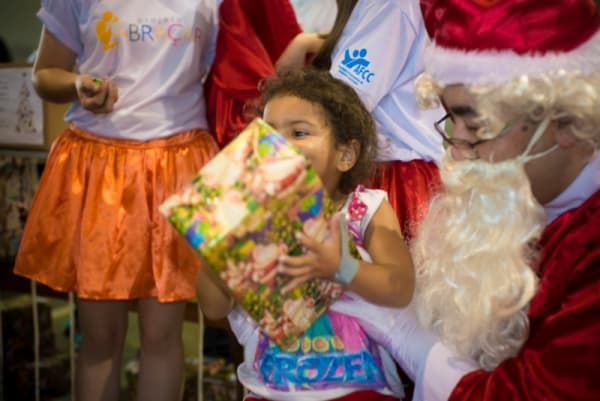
(464, 144)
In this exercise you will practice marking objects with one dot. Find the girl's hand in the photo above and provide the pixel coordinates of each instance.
(320, 259)
(96, 95)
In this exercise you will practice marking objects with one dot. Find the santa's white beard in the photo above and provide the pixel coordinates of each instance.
(473, 254)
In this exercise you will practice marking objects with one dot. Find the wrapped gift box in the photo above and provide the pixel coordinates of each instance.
(241, 212)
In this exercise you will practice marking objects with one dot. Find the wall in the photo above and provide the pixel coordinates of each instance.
(19, 27)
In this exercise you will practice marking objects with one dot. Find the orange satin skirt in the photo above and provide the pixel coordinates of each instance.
(410, 186)
(94, 227)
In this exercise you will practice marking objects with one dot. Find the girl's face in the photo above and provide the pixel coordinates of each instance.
(305, 125)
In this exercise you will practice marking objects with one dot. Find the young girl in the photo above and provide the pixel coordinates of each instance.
(376, 47)
(334, 359)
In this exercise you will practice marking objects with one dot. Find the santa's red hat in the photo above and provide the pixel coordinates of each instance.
(491, 41)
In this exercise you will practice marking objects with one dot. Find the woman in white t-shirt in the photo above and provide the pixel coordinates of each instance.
(133, 71)
(376, 47)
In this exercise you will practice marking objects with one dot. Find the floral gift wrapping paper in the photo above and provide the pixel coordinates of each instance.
(241, 212)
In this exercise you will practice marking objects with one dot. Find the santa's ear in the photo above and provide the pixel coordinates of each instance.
(564, 136)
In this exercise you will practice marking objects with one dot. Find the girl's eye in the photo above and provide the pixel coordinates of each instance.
(473, 129)
(299, 133)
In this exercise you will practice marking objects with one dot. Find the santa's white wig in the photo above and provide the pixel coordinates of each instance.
(559, 95)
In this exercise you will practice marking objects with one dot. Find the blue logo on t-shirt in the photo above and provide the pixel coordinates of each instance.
(354, 66)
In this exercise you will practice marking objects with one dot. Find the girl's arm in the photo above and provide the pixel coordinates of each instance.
(214, 302)
(55, 81)
(389, 280)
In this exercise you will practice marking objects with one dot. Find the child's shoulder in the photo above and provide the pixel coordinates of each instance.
(363, 203)
(368, 198)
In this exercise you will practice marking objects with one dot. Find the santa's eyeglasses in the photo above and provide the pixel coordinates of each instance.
(468, 148)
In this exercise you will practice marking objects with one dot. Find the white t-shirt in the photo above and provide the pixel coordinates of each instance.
(380, 54)
(319, 374)
(156, 51)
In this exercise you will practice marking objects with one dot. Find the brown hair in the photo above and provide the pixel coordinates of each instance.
(322, 59)
(344, 112)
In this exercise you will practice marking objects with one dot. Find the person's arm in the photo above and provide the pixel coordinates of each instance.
(55, 81)
(434, 367)
(295, 54)
(214, 302)
(388, 280)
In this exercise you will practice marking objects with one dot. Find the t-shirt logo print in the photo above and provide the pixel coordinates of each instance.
(354, 66)
(104, 30)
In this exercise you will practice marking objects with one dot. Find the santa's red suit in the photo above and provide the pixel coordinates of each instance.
(561, 357)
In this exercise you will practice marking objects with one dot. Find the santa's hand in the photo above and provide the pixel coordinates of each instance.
(396, 329)
(433, 366)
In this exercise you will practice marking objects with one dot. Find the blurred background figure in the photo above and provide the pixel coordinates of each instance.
(315, 15)
(252, 35)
